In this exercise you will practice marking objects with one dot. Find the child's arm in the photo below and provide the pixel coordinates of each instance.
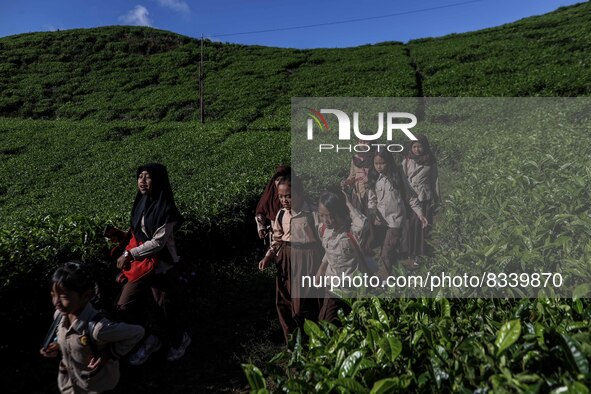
(416, 207)
(351, 178)
(260, 221)
(119, 337)
(322, 269)
(359, 222)
(154, 245)
(372, 204)
(275, 244)
(51, 351)
(437, 192)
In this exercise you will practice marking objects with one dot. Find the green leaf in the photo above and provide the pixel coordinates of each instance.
(575, 357)
(582, 291)
(416, 337)
(340, 357)
(382, 316)
(371, 338)
(508, 335)
(351, 385)
(313, 331)
(349, 366)
(385, 386)
(578, 306)
(254, 376)
(438, 373)
(539, 329)
(445, 307)
(490, 251)
(390, 346)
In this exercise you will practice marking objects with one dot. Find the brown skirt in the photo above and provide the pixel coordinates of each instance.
(295, 303)
(417, 235)
(330, 309)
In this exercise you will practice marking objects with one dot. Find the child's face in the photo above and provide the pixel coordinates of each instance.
(284, 194)
(417, 148)
(68, 301)
(380, 164)
(327, 218)
(144, 182)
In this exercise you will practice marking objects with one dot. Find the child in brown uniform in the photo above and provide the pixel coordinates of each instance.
(361, 163)
(90, 344)
(386, 208)
(341, 228)
(296, 251)
(420, 169)
(269, 205)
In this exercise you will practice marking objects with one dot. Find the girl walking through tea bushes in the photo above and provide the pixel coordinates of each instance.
(90, 344)
(154, 219)
(420, 169)
(361, 163)
(297, 252)
(340, 228)
(386, 208)
(269, 205)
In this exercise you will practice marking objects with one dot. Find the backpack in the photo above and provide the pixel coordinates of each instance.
(90, 326)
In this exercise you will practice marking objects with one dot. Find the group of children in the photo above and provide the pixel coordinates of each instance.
(89, 343)
(382, 205)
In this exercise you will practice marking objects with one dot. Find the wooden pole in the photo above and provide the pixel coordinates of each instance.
(201, 100)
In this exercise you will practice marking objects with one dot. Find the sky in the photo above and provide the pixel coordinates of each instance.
(335, 23)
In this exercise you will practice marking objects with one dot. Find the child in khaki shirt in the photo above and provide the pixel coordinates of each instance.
(386, 209)
(297, 252)
(90, 344)
(420, 171)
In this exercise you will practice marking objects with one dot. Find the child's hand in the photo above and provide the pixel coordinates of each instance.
(262, 234)
(264, 263)
(96, 362)
(51, 351)
(122, 262)
(424, 221)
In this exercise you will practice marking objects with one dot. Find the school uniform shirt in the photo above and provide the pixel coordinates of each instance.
(359, 176)
(340, 253)
(423, 182)
(76, 346)
(387, 200)
(296, 227)
(163, 237)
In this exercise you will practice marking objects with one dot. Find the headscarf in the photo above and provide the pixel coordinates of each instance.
(158, 207)
(269, 203)
(363, 159)
(427, 158)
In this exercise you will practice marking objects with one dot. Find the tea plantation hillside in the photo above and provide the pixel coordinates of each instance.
(546, 55)
(81, 109)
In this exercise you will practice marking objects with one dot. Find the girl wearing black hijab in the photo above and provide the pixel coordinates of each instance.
(269, 204)
(154, 219)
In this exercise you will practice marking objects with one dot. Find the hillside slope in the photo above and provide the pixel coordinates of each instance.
(81, 109)
(135, 73)
(123, 82)
(546, 55)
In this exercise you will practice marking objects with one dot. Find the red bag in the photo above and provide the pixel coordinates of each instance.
(136, 269)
